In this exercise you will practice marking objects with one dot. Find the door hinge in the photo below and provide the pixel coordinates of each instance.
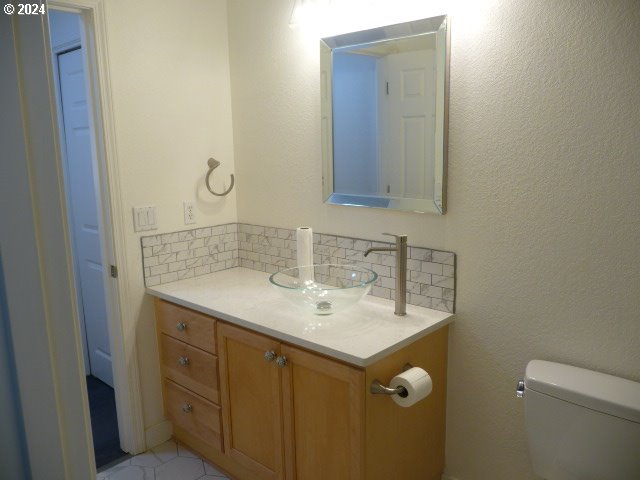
(387, 88)
(114, 271)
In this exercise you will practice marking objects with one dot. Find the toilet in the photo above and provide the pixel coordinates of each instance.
(581, 425)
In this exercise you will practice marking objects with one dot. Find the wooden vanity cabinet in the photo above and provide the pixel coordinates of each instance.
(251, 401)
(324, 419)
(300, 419)
(287, 413)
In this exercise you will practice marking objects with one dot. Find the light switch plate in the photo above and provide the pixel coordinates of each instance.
(144, 218)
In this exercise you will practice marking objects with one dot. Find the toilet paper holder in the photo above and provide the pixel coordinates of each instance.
(378, 388)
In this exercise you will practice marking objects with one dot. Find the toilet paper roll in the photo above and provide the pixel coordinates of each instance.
(416, 381)
(304, 242)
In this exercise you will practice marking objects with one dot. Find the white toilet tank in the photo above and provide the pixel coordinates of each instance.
(581, 425)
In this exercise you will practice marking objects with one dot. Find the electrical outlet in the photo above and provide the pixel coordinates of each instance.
(189, 212)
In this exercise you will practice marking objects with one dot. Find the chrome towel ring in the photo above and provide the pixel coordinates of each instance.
(213, 164)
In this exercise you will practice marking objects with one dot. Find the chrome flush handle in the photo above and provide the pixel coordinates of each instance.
(520, 389)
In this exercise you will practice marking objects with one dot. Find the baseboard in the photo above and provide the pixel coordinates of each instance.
(158, 433)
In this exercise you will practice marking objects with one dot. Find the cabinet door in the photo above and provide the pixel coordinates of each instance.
(324, 417)
(251, 401)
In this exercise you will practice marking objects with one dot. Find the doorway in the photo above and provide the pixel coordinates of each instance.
(87, 231)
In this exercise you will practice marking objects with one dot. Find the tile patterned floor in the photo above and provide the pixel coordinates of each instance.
(169, 461)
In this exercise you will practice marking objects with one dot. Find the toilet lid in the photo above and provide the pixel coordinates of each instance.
(597, 391)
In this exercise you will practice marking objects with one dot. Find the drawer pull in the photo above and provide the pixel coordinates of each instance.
(270, 356)
(281, 361)
(184, 361)
(181, 326)
(187, 408)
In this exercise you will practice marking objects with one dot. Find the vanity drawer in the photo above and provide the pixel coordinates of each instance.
(190, 367)
(186, 325)
(193, 414)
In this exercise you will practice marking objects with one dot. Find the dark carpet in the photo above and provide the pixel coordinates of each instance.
(104, 422)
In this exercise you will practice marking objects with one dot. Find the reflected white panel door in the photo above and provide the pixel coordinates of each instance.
(84, 213)
(407, 158)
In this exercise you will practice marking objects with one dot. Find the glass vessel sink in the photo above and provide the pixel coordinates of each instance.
(324, 289)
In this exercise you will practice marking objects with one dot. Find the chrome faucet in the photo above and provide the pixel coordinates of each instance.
(401, 270)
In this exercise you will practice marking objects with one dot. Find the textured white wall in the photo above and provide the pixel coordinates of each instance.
(544, 177)
(169, 69)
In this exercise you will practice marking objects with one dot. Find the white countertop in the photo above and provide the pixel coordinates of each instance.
(360, 335)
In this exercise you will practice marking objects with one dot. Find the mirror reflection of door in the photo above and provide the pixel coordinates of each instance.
(384, 99)
(407, 107)
(388, 116)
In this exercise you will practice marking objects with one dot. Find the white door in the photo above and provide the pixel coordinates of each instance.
(408, 104)
(83, 212)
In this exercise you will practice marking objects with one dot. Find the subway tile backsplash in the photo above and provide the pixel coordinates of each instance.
(175, 256)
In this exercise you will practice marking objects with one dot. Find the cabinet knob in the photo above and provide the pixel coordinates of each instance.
(270, 356)
(281, 361)
(184, 361)
(187, 408)
(181, 326)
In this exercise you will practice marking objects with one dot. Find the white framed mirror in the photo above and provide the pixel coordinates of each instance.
(384, 108)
